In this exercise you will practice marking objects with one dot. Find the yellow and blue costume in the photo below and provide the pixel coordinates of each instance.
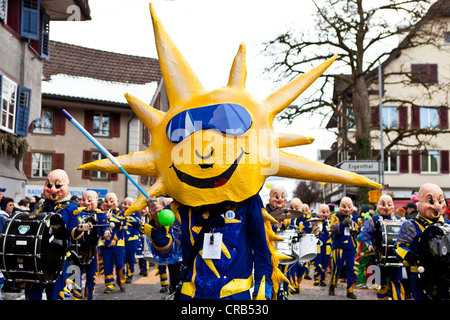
(343, 251)
(55, 291)
(322, 259)
(231, 276)
(91, 268)
(113, 251)
(132, 238)
(392, 274)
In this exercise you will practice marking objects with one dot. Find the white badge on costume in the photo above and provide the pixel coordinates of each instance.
(212, 245)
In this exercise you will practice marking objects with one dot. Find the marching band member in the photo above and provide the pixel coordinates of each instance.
(277, 201)
(385, 209)
(113, 245)
(132, 235)
(343, 246)
(324, 253)
(143, 264)
(89, 202)
(431, 207)
(57, 200)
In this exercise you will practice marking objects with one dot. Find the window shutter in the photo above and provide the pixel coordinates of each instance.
(415, 161)
(375, 116)
(433, 73)
(3, 10)
(89, 121)
(27, 159)
(415, 117)
(114, 176)
(45, 38)
(376, 154)
(29, 19)
(445, 161)
(1, 78)
(115, 125)
(58, 161)
(59, 126)
(443, 117)
(403, 117)
(404, 161)
(87, 157)
(23, 111)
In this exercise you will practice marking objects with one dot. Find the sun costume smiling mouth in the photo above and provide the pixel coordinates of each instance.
(191, 184)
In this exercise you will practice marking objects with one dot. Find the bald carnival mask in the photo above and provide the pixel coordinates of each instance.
(346, 206)
(277, 197)
(56, 186)
(295, 204)
(324, 211)
(431, 201)
(89, 200)
(385, 205)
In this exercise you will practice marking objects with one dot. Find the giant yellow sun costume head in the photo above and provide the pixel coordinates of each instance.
(217, 146)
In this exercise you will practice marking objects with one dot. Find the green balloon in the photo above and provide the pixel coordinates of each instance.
(166, 217)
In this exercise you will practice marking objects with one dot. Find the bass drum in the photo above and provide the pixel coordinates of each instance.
(386, 234)
(84, 250)
(434, 256)
(33, 247)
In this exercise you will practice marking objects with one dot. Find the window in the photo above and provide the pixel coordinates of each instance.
(424, 73)
(390, 117)
(391, 162)
(44, 124)
(3, 9)
(101, 124)
(8, 100)
(429, 118)
(41, 164)
(430, 161)
(29, 19)
(97, 155)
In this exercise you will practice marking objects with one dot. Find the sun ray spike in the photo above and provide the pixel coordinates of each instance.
(180, 81)
(283, 97)
(297, 167)
(292, 140)
(156, 190)
(138, 163)
(150, 116)
(238, 73)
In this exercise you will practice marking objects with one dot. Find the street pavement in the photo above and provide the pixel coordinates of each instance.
(147, 288)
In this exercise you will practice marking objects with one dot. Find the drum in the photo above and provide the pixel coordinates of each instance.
(84, 250)
(386, 233)
(307, 247)
(33, 247)
(289, 245)
(434, 257)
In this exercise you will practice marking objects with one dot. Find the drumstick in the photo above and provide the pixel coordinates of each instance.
(103, 150)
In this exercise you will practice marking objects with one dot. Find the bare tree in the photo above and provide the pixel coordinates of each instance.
(309, 192)
(359, 31)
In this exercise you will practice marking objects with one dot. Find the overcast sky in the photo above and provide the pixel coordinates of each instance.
(208, 33)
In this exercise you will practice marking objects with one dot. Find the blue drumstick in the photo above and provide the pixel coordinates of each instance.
(102, 149)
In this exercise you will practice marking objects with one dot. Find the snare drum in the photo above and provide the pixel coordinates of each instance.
(85, 249)
(33, 247)
(385, 238)
(307, 247)
(434, 256)
(287, 246)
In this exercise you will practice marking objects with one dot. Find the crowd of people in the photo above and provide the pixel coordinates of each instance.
(346, 244)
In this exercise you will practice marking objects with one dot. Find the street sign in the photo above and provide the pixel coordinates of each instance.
(360, 166)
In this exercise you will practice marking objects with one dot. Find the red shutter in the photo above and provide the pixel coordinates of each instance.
(375, 116)
(115, 125)
(58, 161)
(403, 117)
(443, 117)
(433, 73)
(404, 161)
(27, 160)
(445, 161)
(416, 161)
(87, 157)
(415, 117)
(114, 176)
(89, 121)
(60, 122)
